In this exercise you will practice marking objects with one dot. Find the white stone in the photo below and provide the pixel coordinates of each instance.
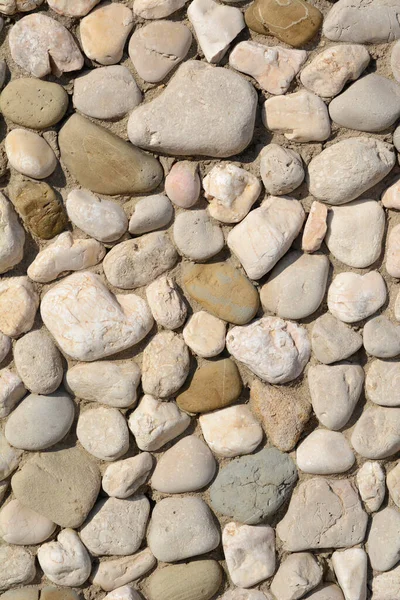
(38, 362)
(381, 337)
(12, 237)
(11, 391)
(123, 478)
(396, 308)
(351, 571)
(301, 117)
(275, 350)
(315, 228)
(72, 8)
(232, 431)
(391, 196)
(165, 365)
(102, 219)
(243, 594)
(123, 593)
(17, 567)
(392, 252)
(66, 561)
(150, 213)
(111, 574)
(103, 432)
(89, 322)
(377, 432)
(215, 26)
(182, 184)
(205, 334)
(272, 67)
(10, 7)
(156, 9)
(5, 347)
(18, 305)
(266, 234)
(332, 340)
(360, 22)
(166, 303)
(370, 480)
(386, 586)
(22, 526)
(281, 169)
(353, 297)
(30, 154)
(156, 423)
(297, 574)
(382, 383)
(197, 236)
(384, 539)
(9, 458)
(324, 452)
(393, 484)
(3, 489)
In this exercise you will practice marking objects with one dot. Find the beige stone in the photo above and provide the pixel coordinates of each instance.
(30, 154)
(10, 7)
(205, 334)
(22, 526)
(103, 432)
(324, 452)
(11, 391)
(165, 365)
(371, 485)
(99, 218)
(353, 297)
(281, 169)
(182, 184)
(156, 9)
(392, 252)
(66, 561)
(377, 432)
(315, 227)
(232, 431)
(111, 574)
(166, 303)
(72, 8)
(351, 571)
(393, 484)
(122, 478)
(297, 574)
(391, 196)
(12, 236)
(9, 458)
(18, 566)
(196, 580)
(18, 305)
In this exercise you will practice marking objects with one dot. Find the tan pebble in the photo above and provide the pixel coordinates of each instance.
(182, 184)
(111, 574)
(315, 227)
(30, 154)
(393, 252)
(232, 431)
(156, 9)
(72, 8)
(18, 305)
(391, 196)
(197, 580)
(10, 7)
(205, 334)
(22, 526)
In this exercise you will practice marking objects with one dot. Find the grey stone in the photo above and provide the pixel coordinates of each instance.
(9, 458)
(362, 22)
(166, 364)
(327, 592)
(386, 586)
(38, 362)
(382, 383)
(384, 539)
(17, 567)
(297, 574)
(150, 213)
(281, 169)
(332, 340)
(381, 337)
(377, 432)
(197, 236)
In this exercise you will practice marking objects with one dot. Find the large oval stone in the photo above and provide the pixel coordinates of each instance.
(197, 580)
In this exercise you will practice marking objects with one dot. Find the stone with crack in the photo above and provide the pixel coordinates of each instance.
(281, 169)
(370, 481)
(112, 574)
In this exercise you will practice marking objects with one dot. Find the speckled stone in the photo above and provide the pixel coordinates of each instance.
(197, 580)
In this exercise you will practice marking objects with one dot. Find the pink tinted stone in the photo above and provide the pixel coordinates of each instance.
(315, 227)
(182, 184)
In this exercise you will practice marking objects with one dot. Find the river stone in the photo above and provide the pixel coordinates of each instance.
(363, 22)
(12, 238)
(324, 452)
(329, 591)
(345, 383)
(385, 586)
(42, 46)
(106, 93)
(125, 592)
(350, 568)
(11, 391)
(151, 212)
(9, 458)
(197, 580)
(124, 477)
(61, 485)
(275, 350)
(222, 381)
(180, 528)
(341, 521)
(377, 432)
(65, 561)
(381, 337)
(222, 290)
(172, 475)
(107, 382)
(205, 334)
(332, 340)
(167, 304)
(116, 527)
(252, 488)
(391, 195)
(294, 22)
(381, 383)
(10, 7)
(65, 309)
(111, 574)
(355, 232)
(392, 255)
(30, 154)
(393, 484)
(297, 574)
(156, 9)
(72, 8)
(19, 302)
(33, 103)
(330, 179)
(182, 184)
(140, 261)
(5, 347)
(315, 228)
(22, 526)
(241, 594)
(24, 594)
(353, 297)
(103, 432)
(232, 431)
(395, 61)
(53, 593)
(266, 234)
(281, 169)
(371, 485)
(383, 539)
(17, 567)
(103, 162)
(196, 235)
(300, 276)
(190, 116)
(165, 364)
(38, 362)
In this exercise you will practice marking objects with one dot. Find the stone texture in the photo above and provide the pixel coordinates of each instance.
(393, 484)
(281, 169)
(11, 391)
(151, 212)
(165, 365)
(395, 60)
(103, 432)
(386, 585)
(381, 383)
(315, 228)
(391, 196)
(12, 238)
(53, 593)
(360, 22)
(205, 334)
(332, 340)
(20, 525)
(182, 184)
(18, 567)
(197, 236)
(5, 347)
(351, 571)
(125, 592)
(392, 252)
(197, 580)
(324, 452)
(166, 303)
(231, 431)
(353, 297)
(30, 154)
(297, 574)
(377, 432)
(383, 539)
(65, 561)
(243, 594)
(111, 574)
(72, 8)
(18, 305)
(156, 9)
(124, 477)
(327, 592)
(371, 485)
(10, 7)
(9, 458)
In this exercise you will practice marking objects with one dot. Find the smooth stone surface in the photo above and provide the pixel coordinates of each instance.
(182, 184)
(53, 593)
(125, 592)
(18, 305)
(281, 169)
(155, 423)
(72, 8)
(10, 7)
(196, 236)
(205, 334)
(116, 527)
(392, 252)
(300, 276)
(106, 93)
(123, 478)
(22, 526)
(383, 539)
(355, 232)
(393, 484)
(315, 228)
(165, 365)
(385, 586)
(197, 580)
(156, 9)
(64, 311)
(297, 574)
(353, 297)
(391, 196)
(167, 304)
(351, 572)
(381, 383)
(30, 154)
(61, 486)
(11, 390)
(190, 116)
(5, 347)
(12, 236)
(231, 431)
(244, 594)
(395, 61)
(330, 179)
(360, 22)
(18, 567)
(111, 574)
(9, 458)
(181, 528)
(65, 561)
(151, 212)
(222, 381)
(275, 350)
(327, 592)
(341, 524)
(38, 362)
(54, 413)
(252, 488)
(266, 234)
(186, 467)
(377, 432)
(103, 162)
(332, 340)
(111, 383)
(324, 453)
(370, 480)
(103, 432)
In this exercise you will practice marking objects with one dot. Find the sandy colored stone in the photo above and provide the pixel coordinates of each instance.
(10, 7)
(72, 8)
(297, 574)
(281, 169)
(332, 340)
(205, 334)
(353, 297)
(197, 236)
(18, 305)
(111, 574)
(53, 593)
(182, 184)
(103, 432)
(30, 154)
(243, 594)
(5, 346)
(393, 484)
(363, 22)
(122, 478)
(351, 571)
(381, 383)
(18, 566)
(315, 227)
(383, 539)
(11, 391)
(381, 337)
(166, 303)
(324, 452)
(38, 362)
(329, 591)
(156, 9)
(150, 213)
(65, 561)
(377, 432)
(197, 580)
(9, 458)
(21, 526)
(232, 431)
(392, 252)
(12, 236)
(165, 365)
(23, 594)
(391, 196)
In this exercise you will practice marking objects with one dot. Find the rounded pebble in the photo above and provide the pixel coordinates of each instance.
(38, 362)
(205, 334)
(196, 236)
(103, 432)
(30, 154)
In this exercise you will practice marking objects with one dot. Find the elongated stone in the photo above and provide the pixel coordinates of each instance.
(363, 22)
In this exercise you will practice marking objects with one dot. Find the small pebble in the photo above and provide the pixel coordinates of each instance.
(103, 432)
(377, 432)
(324, 453)
(381, 383)
(65, 561)
(392, 252)
(198, 580)
(332, 340)
(12, 390)
(370, 480)
(18, 567)
(297, 574)
(5, 347)
(9, 458)
(166, 303)
(72, 8)
(156, 9)
(281, 169)
(231, 431)
(196, 236)
(353, 21)
(383, 539)
(353, 297)
(111, 574)
(205, 334)
(350, 568)
(393, 484)
(182, 184)
(18, 305)
(150, 213)
(165, 365)
(22, 526)
(12, 236)
(123, 478)
(391, 196)
(30, 154)
(38, 362)
(315, 227)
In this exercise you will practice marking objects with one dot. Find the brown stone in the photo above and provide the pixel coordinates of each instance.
(53, 593)
(215, 385)
(197, 580)
(222, 290)
(294, 22)
(283, 413)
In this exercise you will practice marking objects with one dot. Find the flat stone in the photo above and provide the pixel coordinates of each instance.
(106, 93)
(324, 452)
(327, 592)
(18, 567)
(383, 539)
(181, 528)
(167, 304)
(30, 154)
(231, 431)
(275, 350)
(12, 236)
(196, 235)
(140, 261)
(65, 561)
(242, 594)
(300, 276)
(123, 478)
(296, 22)
(393, 484)
(197, 580)
(42, 46)
(65, 309)
(104, 32)
(328, 73)
(297, 574)
(341, 524)
(22, 526)
(182, 184)
(165, 365)
(103, 432)
(125, 592)
(385, 586)
(315, 228)
(266, 234)
(158, 47)
(53, 593)
(332, 340)
(381, 383)
(392, 250)
(11, 391)
(111, 574)
(38, 362)
(61, 485)
(391, 196)
(281, 169)
(111, 383)
(116, 527)
(251, 489)
(18, 305)
(353, 297)
(330, 179)
(186, 467)
(150, 213)
(103, 162)
(345, 384)
(377, 432)
(156, 9)
(272, 67)
(155, 423)
(360, 22)
(370, 480)
(9, 458)
(190, 116)
(301, 117)
(10, 7)
(222, 381)
(351, 572)
(205, 334)
(72, 8)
